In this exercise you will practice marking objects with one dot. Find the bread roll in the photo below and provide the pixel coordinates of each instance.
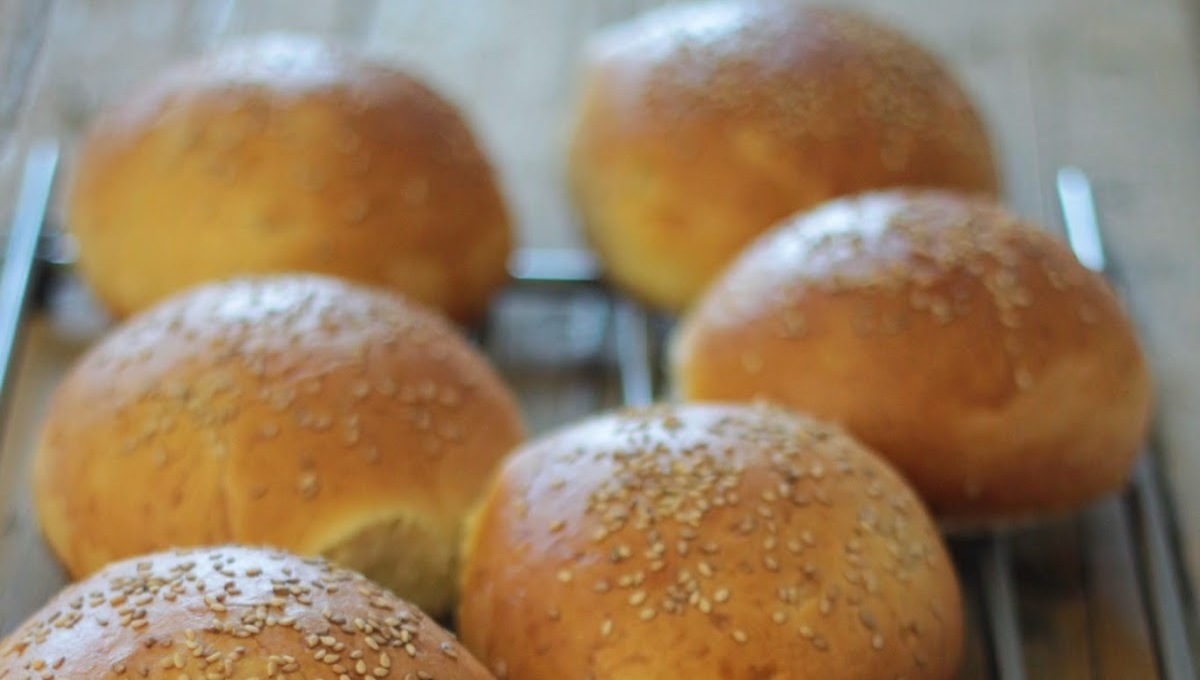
(706, 541)
(963, 343)
(231, 612)
(295, 411)
(700, 125)
(279, 154)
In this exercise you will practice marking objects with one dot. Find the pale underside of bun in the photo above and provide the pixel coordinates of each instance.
(700, 126)
(298, 411)
(963, 343)
(706, 541)
(231, 612)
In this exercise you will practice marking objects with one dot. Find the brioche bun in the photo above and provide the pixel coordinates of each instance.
(706, 541)
(233, 613)
(963, 343)
(282, 153)
(297, 411)
(701, 125)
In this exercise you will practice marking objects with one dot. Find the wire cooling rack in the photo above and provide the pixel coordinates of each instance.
(615, 348)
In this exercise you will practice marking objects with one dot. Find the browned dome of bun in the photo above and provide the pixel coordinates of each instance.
(966, 345)
(297, 411)
(281, 153)
(706, 541)
(231, 612)
(701, 125)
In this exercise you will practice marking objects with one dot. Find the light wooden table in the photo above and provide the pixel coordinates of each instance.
(1109, 85)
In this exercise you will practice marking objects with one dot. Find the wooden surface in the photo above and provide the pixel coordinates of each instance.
(1109, 85)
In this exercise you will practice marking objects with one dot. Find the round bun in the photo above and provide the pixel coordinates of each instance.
(707, 541)
(231, 612)
(700, 126)
(968, 346)
(295, 411)
(281, 154)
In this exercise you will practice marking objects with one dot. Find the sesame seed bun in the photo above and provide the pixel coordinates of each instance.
(231, 612)
(706, 541)
(965, 344)
(701, 125)
(297, 411)
(281, 153)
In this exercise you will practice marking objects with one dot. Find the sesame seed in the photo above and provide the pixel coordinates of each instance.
(1023, 379)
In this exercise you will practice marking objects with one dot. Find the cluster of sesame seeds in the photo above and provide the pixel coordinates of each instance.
(681, 522)
(316, 358)
(774, 64)
(904, 256)
(279, 603)
(251, 91)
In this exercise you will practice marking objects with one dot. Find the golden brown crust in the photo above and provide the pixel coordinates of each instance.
(282, 154)
(699, 126)
(706, 541)
(293, 410)
(231, 612)
(966, 345)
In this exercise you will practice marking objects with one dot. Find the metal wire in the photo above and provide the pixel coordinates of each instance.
(633, 353)
(21, 262)
(1007, 653)
(1157, 571)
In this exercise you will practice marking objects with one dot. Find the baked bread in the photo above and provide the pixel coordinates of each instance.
(963, 343)
(700, 125)
(297, 411)
(234, 613)
(706, 541)
(281, 153)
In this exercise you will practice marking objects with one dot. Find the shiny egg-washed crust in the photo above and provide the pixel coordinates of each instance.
(706, 541)
(964, 344)
(231, 612)
(298, 411)
(285, 154)
(699, 126)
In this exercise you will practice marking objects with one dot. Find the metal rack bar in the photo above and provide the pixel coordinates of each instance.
(1160, 580)
(21, 262)
(1000, 604)
(633, 353)
(553, 267)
